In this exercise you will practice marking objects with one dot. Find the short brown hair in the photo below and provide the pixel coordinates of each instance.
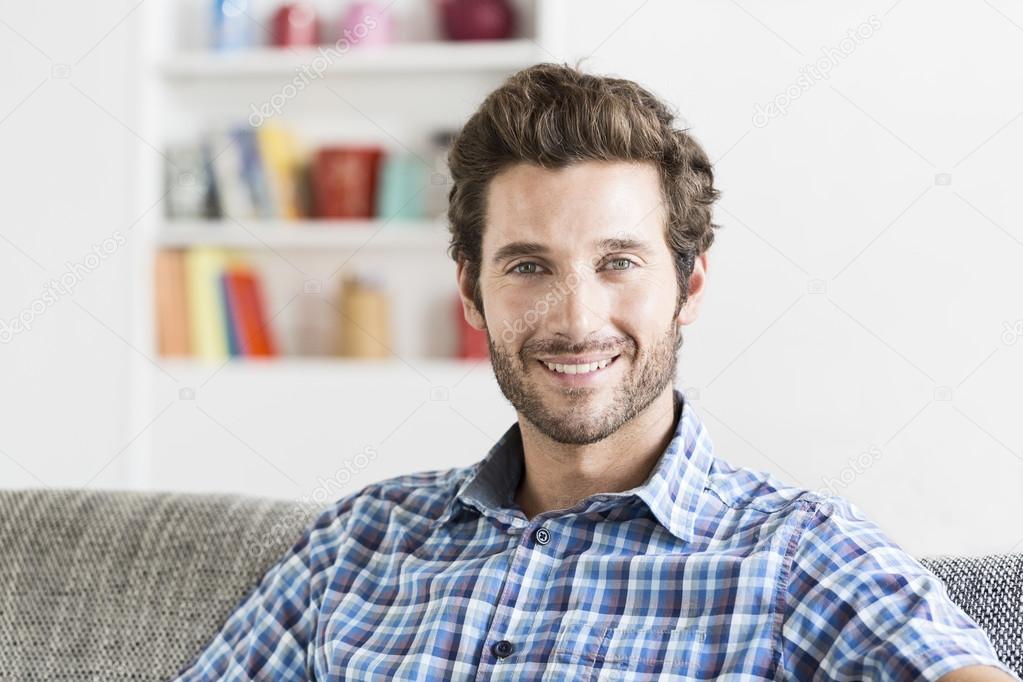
(554, 115)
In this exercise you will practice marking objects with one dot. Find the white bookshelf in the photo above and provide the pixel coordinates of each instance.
(393, 96)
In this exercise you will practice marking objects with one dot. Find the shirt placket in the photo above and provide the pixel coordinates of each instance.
(535, 558)
(530, 565)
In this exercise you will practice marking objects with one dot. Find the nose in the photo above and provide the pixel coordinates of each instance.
(579, 308)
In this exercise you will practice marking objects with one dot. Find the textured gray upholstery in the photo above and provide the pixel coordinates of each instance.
(990, 590)
(130, 586)
(127, 586)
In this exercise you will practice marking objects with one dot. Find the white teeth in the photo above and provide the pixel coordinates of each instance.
(578, 369)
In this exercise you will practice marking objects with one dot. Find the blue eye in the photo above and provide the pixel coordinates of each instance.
(515, 270)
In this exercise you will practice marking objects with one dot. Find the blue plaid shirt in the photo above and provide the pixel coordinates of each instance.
(704, 571)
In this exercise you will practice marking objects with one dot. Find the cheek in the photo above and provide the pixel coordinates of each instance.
(642, 306)
(510, 322)
(643, 313)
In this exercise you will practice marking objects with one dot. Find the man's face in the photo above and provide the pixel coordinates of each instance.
(567, 294)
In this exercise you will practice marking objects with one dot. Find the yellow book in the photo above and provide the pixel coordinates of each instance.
(281, 157)
(207, 317)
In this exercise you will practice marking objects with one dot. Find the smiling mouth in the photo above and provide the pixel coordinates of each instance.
(583, 369)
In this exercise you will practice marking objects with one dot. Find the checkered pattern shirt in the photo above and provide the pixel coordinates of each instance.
(705, 571)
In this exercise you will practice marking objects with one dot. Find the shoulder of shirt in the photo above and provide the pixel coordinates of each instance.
(741, 488)
(751, 490)
(423, 492)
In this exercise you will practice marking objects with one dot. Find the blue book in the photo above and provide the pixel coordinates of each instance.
(252, 171)
(233, 347)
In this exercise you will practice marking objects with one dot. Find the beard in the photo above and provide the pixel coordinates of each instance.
(574, 420)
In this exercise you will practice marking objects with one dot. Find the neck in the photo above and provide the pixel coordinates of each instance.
(558, 475)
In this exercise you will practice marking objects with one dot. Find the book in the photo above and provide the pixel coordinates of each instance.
(248, 314)
(230, 327)
(173, 334)
(472, 343)
(253, 173)
(234, 193)
(282, 168)
(207, 317)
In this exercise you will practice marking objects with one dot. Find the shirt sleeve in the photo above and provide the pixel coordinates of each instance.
(271, 633)
(858, 607)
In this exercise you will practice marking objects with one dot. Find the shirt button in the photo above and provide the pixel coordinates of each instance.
(503, 649)
(542, 536)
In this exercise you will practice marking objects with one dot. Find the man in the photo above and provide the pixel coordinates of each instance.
(600, 538)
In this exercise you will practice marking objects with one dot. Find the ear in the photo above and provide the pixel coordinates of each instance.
(465, 291)
(697, 285)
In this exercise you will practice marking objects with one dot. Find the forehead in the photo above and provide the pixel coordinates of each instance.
(574, 206)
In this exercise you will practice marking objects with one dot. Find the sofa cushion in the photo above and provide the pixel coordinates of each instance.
(124, 585)
(990, 590)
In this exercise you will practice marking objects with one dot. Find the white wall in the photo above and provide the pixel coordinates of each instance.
(66, 185)
(841, 191)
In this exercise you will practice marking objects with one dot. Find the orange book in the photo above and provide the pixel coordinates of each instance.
(248, 315)
(171, 303)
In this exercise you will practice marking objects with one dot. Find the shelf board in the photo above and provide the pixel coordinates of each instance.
(307, 234)
(314, 363)
(434, 56)
(196, 371)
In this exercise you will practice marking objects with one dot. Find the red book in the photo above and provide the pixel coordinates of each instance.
(248, 314)
(472, 343)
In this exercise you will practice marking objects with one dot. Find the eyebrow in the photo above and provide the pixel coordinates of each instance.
(515, 249)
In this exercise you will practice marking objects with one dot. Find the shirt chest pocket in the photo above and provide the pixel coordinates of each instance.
(600, 653)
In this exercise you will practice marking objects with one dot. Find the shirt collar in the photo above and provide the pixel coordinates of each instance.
(672, 491)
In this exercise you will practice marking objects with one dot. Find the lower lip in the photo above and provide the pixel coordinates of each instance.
(587, 379)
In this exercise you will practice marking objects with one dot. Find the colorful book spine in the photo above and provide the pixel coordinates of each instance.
(279, 152)
(253, 172)
(205, 304)
(230, 328)
(234, 194)
(173, 334)
(248, 316)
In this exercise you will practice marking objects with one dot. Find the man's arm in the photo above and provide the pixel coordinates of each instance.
(858, 607)
(977, 673)
(271, 632)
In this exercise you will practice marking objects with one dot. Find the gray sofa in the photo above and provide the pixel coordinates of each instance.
(98, 585)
